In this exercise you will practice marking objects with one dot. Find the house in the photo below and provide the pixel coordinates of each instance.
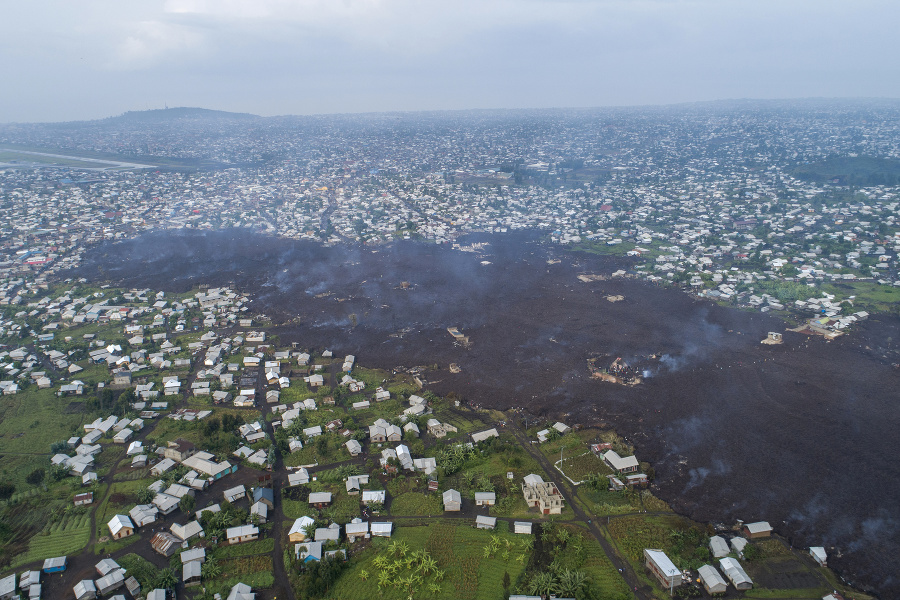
(311, 432)
(309, 551)
(543, 495)
(243, 533)
(234, 494)
(320, 499)
(123, 436)
(354, 484)
(735, 573)
(426, 465)
(712, 582)
(819, 555)
(165, 503)
(261, 510)
(190, 573)
(298, 477)
(485, 522)
(356, 529)
(381, 529)
(332, 533)
(353, 447)
(8, 587)
(203, 462)
(165, 543)
(485, 498)
(193, 555)
(241, 591)
(157, 594)
(298, 529)
(374, 497)
(111, 582)
(738, 544)
(452, 501)
(85, 589)
(264, 495)
(83, 499)
(561, 427)
(718, 546)
(120, 526)
(162, 466)
(133, 587)
(628, 464)
(143, 514)
(760, 529)
(636, 479)
(382, 431)
(481, 436)
(179, 450)
(187, 531)
(522, 527)
(106, 566)
(662, 567)
(54, 565)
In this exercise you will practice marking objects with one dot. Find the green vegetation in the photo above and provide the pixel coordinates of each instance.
(443, 560)
(65, 537)
(413, 504)
(263, 546)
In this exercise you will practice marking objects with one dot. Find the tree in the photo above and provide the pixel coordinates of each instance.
(6, 490)
(210, 569)
(187, 503)
(167, 578)
(569, 583)
(542, 584)
(145, 496)
(506, 581)
(36, 477)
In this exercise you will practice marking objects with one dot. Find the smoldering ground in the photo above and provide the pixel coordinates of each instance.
(801, 435)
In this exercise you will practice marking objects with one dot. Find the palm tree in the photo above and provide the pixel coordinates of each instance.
(210, 569)
(364, 575)
(384, 579)
(569, 583)
(434, 588)
(166, 579)
(542, 584)
(428, 565)
(381, 561)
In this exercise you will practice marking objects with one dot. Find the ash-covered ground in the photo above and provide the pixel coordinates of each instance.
(802, 435)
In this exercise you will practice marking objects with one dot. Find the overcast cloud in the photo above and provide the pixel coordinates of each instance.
(64, 60)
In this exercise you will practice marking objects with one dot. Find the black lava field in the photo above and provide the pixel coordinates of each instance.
(802, 435)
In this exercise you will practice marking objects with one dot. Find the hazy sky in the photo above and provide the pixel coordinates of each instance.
(85, 59)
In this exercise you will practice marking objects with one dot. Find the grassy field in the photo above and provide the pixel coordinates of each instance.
(31, 421)
(578, 467)
(583, 553)
(115, 545)
(255, 571)
(65, 537)
(120, 499)
(413, 504)
(294, 509)
(264, 546)
(469, 571)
